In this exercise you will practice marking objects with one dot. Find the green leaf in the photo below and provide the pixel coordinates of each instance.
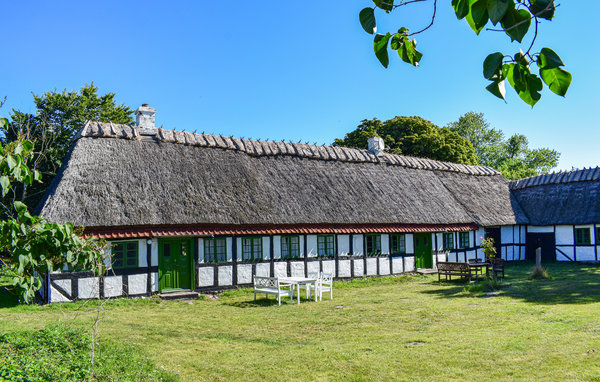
(396, 42)
(543, 8)
(516, 23)
(478, 15)
(367, 20)
(380, 46)
(386, 5)
(461, 8)
(3, 123)
(12, 163)
(497, 88)
(5, 183)
(498, 8)
(557, 79)
(548, 59)
(408, 52)
(492, 66)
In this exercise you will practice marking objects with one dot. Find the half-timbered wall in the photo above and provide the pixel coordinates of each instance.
(565, 243)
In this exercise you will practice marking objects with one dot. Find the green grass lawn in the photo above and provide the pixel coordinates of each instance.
(403, 328)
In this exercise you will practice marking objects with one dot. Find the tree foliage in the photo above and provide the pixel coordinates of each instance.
(511, 156)
(513, 17)
(58, 118)
(412, 136)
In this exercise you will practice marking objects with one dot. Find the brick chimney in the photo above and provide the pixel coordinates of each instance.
(144, 119)
(376, 145)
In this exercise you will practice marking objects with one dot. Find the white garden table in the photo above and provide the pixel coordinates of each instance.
(297, 281)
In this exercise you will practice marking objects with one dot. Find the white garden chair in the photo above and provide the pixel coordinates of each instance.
(271, 285)
(325, 284)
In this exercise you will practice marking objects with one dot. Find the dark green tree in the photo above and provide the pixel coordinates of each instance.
(58, 118)
(413, 136)
(511, 156)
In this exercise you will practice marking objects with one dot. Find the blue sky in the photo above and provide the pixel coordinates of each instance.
(301, 70)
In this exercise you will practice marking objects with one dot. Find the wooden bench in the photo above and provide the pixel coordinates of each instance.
(450, 269)
(271, 285)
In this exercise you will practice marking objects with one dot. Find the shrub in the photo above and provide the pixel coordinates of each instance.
(539, 273)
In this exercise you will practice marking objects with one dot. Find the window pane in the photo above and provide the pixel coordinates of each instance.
(257, 248)
(220, 250)
(294, 246)
(246, 249)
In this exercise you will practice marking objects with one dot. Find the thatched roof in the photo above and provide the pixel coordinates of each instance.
(116, 177)
(569, 197)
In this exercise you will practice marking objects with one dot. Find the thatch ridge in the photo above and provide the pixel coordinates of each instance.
(266, 148)
(564, 177)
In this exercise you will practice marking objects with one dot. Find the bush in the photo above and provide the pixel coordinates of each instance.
(539, 273)
(487, 285)
(57, 353)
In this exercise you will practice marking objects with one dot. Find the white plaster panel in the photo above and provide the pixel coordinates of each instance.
(357, 245)
(297, 268)
(343, 245)
(506, 234)
(371, 266)
(311, 245)
(471, 254)
(88, 287)
(359, 268)
(142, 258)
(344, 268)
(200, 250)
(385, 244)
(479, 235)
(113, 286)
(277, 247)
(238, 244)
(263, 269)
(301, 246)
(154, 253)
(64, 284)
(384, 266)
(586, 254)
(564, 235)
(440, 241)
(107, 258)
(154, 281)
(409, 264)
(313, 267)
(329, 266)
(410, 245)
(137, 284)
(266, 242)
(229, 244)
(225, 275)
(566, 250)
(441, 257)
(244, 274)
(540, 229)
(206, 276)
(397, 266)
(55, 296)
(280, 269)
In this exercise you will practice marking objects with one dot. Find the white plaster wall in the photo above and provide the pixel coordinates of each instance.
(344, 268)
(312, 267)
(397, 266)
(409, 263)
(329, 267)
(200, 250)
(281, 269)
(385, 244)
(479, 235)
(359, 268)
(343, 245)
(142, 258)
(410, 245)
(564, 235)
(88, 287)
(540, 229)
(55, 296)
(384, 266)
(440, 257)
(229, 244)
(566, 250)
(371, 266)
(263, 269)
(154, 253)
(301, 239)
(266, 247)
(357, 245)
(225, 275)
(277, 247)
(506, 234)
(113, 286)
(452, 257)
(311, 245)
(440, 241)
(206, 276)
(64, 284)
(238, 241)
(137, 284)
(154, 281)
(244, 274)
(297, 268)
(586, 253)
(107, 258)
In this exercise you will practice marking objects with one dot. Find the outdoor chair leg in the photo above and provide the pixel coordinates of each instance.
(279, 299)
(254, 295)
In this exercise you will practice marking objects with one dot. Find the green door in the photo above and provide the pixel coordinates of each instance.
(175, 262)
(423, 250)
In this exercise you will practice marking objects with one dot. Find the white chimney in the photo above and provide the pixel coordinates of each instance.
(144, 117)
(376, 145)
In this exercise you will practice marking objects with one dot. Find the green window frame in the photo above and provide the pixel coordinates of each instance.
(463, 239)
(215, 250)
(448, 240)
(398, 244)
(124, 254)
(290, 247)
(252, 248)
(373, 244)
(583, 236)
(325, 245)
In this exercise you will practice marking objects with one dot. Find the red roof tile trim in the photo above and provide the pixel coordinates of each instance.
(145, 232)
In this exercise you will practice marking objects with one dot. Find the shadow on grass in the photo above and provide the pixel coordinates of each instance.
(259, 303)
(570, 284)
(8, 298)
